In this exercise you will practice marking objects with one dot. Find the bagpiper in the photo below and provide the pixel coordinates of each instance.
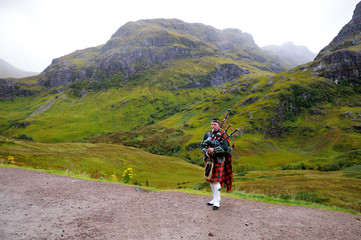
(218, 161)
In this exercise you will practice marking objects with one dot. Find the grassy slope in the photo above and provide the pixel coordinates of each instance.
(317, 134)
(89, 159)
(70, 119)
(329, 188)
(320, 137)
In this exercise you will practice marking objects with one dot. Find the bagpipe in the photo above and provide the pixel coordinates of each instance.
(209, 143)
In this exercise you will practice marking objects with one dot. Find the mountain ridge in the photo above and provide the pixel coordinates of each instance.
(290, 54)
(7, 70)
(137, 45)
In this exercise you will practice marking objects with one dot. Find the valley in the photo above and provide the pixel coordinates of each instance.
(144, 99)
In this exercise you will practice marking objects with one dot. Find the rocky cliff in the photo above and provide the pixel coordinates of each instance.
(10, 88)
(341, 59)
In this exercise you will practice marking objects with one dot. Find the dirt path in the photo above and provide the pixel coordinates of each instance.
(36, 205)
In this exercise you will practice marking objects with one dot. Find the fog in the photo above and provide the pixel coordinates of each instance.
(33, 32)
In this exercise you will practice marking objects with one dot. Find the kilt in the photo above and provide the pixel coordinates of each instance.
(217, 173)
(222, 173)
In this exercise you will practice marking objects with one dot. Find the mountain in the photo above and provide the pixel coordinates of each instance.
(340, 60)
(137, 46)
(290, 54)
(9, 71)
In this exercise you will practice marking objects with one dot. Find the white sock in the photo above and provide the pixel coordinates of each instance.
(217, 190)
(213, 193)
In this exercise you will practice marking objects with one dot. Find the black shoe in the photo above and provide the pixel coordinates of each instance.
(210, 204)
(215, 208)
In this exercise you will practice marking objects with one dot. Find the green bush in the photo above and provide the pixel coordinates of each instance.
(24, 137)
(241, 169)
(351, 159)
(334, 166)
(300, 166)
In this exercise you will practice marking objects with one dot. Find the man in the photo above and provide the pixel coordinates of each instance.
(216, 149)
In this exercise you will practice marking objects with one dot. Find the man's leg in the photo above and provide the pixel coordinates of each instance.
(217, 191)
(213, 192)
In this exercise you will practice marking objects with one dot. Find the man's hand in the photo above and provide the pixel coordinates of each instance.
(210, 152)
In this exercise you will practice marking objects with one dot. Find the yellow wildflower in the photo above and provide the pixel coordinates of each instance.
(115, 178)
(11, 160)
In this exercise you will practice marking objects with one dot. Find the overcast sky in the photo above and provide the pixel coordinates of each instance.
(33, 32)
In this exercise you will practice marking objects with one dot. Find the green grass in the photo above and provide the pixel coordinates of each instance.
(328, 188)
(352, 172)
(290, 201)
(74, 119)
(89, 159)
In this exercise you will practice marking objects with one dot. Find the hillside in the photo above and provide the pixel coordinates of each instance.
(9, 71)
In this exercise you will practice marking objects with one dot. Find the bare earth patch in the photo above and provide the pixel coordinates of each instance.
(37, 205)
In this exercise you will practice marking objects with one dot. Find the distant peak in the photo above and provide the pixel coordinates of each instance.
(289, 43)
(8, 70)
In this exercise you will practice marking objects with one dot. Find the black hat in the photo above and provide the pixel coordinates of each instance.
(216, 120)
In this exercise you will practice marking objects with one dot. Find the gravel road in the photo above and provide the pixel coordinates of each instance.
(38, 205)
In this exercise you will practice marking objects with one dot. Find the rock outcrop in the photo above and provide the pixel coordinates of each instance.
(222, 74)
(341, 59)
(10, 88)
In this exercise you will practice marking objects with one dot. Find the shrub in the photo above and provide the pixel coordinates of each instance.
(241, 169)
(300, 166)
(330, 167)
(24, 137)
(350, 160)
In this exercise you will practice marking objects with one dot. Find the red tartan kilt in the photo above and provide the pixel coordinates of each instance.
(217, 173)
(222, 173)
